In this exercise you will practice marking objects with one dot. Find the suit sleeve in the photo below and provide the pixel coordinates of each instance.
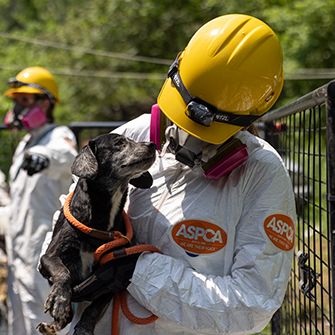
(61, 151)
(136, 129)
(243, 301)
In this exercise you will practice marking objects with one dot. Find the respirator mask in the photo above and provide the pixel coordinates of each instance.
(215, 161)
(27, 118)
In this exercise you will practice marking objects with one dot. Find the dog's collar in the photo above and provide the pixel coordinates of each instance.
(96, 233)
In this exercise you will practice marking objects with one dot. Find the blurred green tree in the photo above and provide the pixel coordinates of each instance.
(110, 58)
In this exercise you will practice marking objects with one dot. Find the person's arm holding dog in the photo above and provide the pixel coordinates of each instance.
(222, 300)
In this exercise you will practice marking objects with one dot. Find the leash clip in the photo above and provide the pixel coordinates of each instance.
(308, 276)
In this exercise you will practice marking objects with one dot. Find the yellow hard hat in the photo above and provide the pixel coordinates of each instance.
(230, 73)
(35, 80)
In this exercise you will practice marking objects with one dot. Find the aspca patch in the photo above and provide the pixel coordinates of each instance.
(280, 230)
(199, 237)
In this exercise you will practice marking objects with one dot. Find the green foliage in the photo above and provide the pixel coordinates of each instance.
(87, 44)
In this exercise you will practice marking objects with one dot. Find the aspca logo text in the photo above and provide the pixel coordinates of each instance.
(199, 237)
(280, 230)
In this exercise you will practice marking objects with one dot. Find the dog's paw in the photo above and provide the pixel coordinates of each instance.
(46, 329)
(58, 305)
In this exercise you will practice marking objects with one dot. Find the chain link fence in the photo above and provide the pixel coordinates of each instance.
(303, 134)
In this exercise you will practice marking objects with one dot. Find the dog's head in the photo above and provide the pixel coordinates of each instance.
(111, 157)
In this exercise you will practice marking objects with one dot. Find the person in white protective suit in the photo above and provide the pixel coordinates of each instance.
(4, 201)
(39, 174)
(221, 208)
(4, 196)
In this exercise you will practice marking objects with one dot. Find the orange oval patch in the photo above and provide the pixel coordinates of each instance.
(280, 230)
(199, 237)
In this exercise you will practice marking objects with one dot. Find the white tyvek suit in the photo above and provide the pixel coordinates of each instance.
(34, 199)
(4, 201)
(225, 277)
(4, 196)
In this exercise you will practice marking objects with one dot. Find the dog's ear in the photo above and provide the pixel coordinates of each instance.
(85, 164)
(143, 181)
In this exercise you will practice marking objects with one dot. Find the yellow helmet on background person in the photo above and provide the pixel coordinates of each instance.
(35, 80)
(230, 73)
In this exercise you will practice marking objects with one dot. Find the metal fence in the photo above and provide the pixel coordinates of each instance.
(303, 134)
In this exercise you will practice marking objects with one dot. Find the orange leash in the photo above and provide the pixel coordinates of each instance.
(136, 249)
(102, 255)
(99, 234)
(130, 316)
(115, 315)
(119, 240)
(120, 302)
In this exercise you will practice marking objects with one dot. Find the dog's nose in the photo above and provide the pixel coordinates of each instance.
(152, 146)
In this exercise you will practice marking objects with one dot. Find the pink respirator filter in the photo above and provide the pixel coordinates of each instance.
(222, 168)
(34, 118)
(155, 136)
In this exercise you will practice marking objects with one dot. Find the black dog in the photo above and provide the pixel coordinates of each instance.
(105, 167)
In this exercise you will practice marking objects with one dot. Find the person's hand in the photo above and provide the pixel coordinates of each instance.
(33, 162)
(111, 278)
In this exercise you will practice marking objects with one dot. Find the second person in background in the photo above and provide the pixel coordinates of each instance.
(39, 174)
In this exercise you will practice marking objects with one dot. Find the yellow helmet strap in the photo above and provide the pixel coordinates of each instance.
(202, 112)
(14, 83)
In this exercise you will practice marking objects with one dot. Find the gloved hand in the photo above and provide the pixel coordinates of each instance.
(112, 277)
(33, 162)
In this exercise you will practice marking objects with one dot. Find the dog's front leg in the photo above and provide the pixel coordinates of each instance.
(91, 315)
(58, 303)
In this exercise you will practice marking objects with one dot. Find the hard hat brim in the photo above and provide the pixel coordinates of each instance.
(24, 89)
(173, 106)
